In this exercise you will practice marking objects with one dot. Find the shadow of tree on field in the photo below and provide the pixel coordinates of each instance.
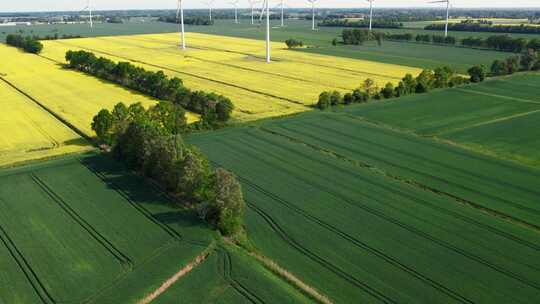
(146, 196)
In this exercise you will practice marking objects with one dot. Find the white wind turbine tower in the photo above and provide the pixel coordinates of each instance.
(447, 14)
(312, 13)
(89, 8)
(180, 13)
(235, 3)
(209, 3)
(266, 10)
(282, 5)
(252, 5)
(370, 13)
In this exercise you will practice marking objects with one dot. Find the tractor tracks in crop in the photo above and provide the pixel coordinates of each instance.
(122, 258)
(227, 270)
(25, 267)
(48, 110)
(392, 220)
(147, 214)
(318, 259)
(274, 58)
(191, 75)
(416, 184)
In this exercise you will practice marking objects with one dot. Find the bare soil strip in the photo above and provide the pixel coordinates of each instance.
(170, 281)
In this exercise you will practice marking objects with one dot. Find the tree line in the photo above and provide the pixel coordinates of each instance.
(215, 110)
(377, 23)
(428, 80)
(496, 42)
(197, 20)
(27, 43)
(150, 142)
(467, 26)
(293, 43)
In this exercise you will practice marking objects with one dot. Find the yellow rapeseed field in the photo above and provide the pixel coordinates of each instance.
(72, 95)
(29, 132)
(235, 67)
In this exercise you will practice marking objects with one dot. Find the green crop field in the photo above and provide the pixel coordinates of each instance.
(67, 233)
(495, 117)
(354, 233)
(229, 276)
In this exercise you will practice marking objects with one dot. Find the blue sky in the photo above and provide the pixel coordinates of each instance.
(56, 5)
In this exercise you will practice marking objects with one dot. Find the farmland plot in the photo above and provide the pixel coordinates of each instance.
(78, 229)
(229, 276)
(29, 132)
(235, 68)
(71, 95)
(441, 167)
(354, 234)
(495, 117)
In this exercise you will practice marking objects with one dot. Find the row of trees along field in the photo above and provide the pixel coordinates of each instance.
(215, 109)
(475, 26)
(28, 44)
(497, 42)
(376, 23)
(427, 80)
(197, 20)
(150, 142)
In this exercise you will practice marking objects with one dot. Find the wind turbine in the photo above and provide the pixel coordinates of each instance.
(235, 3)
(209, 3)
(180, 11)
(312, 13)
(282, 5)
(370, 12)
(447, 14)
(266, 10)
(252, 5)
(89, 8)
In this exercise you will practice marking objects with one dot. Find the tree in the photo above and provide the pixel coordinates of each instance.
(193, 175)
(335, 98)
(226, 208)
(324, 100)
(102, 124)
(512, 65)
(425, 81)
(477, 73)
(292, 43)
(442, 77)
(348, 98)
(388, 90)
(224, 109)
(370, 87)
(528, 60)
(498, 68)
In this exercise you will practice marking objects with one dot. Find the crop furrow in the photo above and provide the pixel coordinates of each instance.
(317, 259)
(418, 157)
(193, 75)
(376, 169)
(239, 287)
(384, 217)
(124, 260)
(26, 269)
(171, 232)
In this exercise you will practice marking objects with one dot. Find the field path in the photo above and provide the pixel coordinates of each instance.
(170, 281)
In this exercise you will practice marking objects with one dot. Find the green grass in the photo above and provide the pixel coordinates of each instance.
(355, 234)
(492, 117)
(230, 276)
(77, 228)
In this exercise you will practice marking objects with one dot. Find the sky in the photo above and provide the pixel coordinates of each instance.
(76, 5)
